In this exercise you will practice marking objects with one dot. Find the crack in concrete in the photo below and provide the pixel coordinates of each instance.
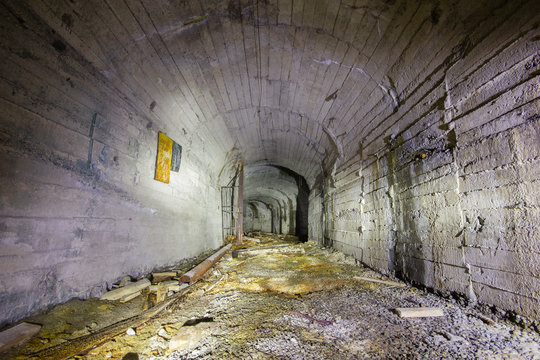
(388, 90)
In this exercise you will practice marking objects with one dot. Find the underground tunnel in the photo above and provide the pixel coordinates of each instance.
(355, 156)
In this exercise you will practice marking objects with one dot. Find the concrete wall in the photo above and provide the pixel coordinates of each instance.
(444, 190)
(414, 124)
(69, 224)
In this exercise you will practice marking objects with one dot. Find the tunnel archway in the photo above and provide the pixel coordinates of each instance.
(285, 196)
(302, 204)
(414, 125)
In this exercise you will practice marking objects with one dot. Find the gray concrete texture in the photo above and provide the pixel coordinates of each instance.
(414, 123)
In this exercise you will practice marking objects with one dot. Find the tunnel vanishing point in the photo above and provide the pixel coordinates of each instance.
(402, 132)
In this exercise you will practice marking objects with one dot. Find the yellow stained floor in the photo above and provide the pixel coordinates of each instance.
(287, 304)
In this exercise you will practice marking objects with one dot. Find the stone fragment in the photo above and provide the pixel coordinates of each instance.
(164, 334)
(131, 332)
(124, 281)
(452, 337)
(189, 336)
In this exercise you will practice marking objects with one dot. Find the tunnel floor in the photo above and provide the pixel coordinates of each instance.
(281, 299)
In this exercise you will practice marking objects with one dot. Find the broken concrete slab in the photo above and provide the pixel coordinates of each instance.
(189, 336)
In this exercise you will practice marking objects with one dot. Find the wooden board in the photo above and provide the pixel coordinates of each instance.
(119, 293)
(79, 345)
(17, 335)
(130, 297)
(158, 277)
(419, 312)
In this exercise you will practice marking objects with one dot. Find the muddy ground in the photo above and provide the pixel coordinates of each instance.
(297, 301)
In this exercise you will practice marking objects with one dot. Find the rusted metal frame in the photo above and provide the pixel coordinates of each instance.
(227, 210)
(240, 225)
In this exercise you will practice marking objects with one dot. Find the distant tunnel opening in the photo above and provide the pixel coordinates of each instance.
(415, 124)
(276, 201)
(302, 204)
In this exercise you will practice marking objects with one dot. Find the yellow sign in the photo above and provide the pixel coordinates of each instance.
(164, 155)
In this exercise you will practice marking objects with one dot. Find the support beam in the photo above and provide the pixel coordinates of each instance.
(240, 226)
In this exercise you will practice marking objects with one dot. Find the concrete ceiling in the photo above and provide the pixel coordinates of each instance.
(419, 119)
(293, 83)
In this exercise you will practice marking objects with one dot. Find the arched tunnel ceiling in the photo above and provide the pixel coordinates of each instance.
(293, 83)
(270, 185)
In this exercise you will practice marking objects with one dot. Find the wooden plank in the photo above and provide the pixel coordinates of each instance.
(67, 349)
(168, 284)
(384, 282)
(130, 297)
(158, 277)
(419, 312)
(198, 271)
(117, 294)
(17, 335)
(177, 287)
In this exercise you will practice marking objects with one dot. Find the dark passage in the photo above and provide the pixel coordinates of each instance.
(302, 204)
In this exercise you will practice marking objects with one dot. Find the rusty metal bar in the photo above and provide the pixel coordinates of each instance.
(199, 270)
(222, 217)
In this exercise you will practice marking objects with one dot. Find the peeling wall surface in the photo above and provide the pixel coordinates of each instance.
(415, 125)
